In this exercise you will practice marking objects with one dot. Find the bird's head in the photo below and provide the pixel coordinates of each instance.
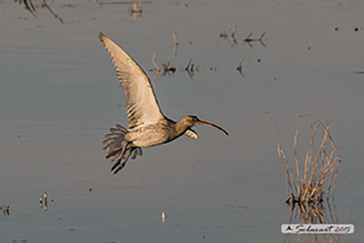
(193, 120)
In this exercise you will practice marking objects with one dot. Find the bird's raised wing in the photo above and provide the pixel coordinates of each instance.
(140, 101)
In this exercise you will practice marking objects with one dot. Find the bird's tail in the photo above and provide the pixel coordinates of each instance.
(119, 149)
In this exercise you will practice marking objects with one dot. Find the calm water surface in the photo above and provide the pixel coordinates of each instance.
(59, 96)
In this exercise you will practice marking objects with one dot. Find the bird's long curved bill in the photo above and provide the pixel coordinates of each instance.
(213, 125)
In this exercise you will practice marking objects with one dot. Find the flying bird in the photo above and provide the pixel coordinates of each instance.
(148, 126)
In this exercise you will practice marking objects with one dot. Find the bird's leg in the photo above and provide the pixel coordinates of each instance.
(121, 155)
(125, 147)
(123, 164)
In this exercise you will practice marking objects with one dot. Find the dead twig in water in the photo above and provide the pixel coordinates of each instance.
(312, 188)
(137, 8)
(225, 35)
(240, 68)
(233, 33)
(188, 65)
(176, 43)
(50, 10)
(175, 38)
(43, 201)
(155, 79)
(32, 8)
(226, 32)
(166, 69)
(175, 50)
(248, 39)
(190, 69)
(318, 180)
(6, 210)
(155, 64)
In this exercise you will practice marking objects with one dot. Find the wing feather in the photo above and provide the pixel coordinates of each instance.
(140, 101)
(191, 133)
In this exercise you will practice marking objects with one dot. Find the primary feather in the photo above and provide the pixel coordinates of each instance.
(140, 101)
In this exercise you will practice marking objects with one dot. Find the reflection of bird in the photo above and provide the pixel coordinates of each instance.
(147, 124)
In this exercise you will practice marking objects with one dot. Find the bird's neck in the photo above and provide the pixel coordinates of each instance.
(180, 128)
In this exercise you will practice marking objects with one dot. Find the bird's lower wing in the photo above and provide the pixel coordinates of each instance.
(191, 133)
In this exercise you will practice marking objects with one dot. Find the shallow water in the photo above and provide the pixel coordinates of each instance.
(59, 96)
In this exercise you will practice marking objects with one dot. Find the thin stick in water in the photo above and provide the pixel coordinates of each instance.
(175, 38)
(155, 64)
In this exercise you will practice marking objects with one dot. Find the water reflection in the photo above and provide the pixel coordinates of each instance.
(318, 179)
(33, 6)
(43, 201)
(6, 210)
(176, 43)
(321, 213)
(226, 32)
(136, 11)
(20, 241)
(318, 84)
(168, 70)
(191, 69)
(163, 217)
(175, 50)
(155, 78)
(240, 68)
(138, 6)
(311, 191)
(248, 40)
(225, 35)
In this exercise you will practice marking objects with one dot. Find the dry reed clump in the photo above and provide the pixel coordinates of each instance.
(313, 182)
(317, 181)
